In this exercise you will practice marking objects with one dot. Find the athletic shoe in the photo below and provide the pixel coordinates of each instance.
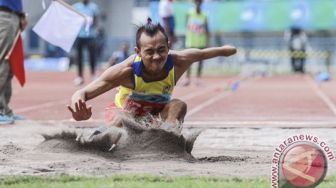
(6, 120)
(78, 81)
(16, 117)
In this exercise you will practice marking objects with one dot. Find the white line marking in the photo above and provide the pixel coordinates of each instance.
(274, 123)
(322, 95)
(204, 91)
(43, 105)
(207, 103)
(210, 101)
(221, 124)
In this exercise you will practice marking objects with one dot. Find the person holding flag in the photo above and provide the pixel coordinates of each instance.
(12, 22)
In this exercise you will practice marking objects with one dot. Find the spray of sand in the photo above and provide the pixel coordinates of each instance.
(132, 140)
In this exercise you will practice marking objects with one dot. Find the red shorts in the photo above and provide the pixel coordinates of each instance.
(139, 107)
(135, 107)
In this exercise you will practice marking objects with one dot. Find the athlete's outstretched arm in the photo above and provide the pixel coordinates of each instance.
(115, 76)
(184, 58)
(194, 55)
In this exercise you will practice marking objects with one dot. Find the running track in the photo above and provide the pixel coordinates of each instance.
(279, 101)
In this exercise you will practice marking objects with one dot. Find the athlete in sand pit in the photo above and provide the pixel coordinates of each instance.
(147, 78)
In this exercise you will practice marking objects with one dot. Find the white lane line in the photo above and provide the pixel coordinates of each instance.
(322, 95)
(43, 105)
(210, 101)
(204, 91)
(273, 123)
(219, 124)
(207, 103)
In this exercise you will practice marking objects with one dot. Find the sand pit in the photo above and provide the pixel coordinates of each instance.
(242, 152)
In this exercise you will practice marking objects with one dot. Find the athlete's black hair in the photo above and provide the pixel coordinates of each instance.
(149, 29)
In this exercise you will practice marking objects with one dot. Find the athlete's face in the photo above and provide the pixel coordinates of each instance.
(153, 52)
(198, 3)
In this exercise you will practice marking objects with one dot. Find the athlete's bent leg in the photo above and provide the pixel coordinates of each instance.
(174, 112)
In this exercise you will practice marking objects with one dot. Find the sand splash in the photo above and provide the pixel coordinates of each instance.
(130, 141)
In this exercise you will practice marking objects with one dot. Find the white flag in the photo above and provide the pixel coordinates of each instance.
(60, 25)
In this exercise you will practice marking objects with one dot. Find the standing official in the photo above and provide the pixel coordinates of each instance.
(12, 19)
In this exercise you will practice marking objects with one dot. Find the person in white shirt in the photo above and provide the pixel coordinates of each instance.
(166, 12)
(86, 39)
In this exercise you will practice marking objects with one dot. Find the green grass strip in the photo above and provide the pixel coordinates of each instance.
(137, 181)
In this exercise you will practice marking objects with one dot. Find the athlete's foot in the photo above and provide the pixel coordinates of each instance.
(6, 120)
(98, 131)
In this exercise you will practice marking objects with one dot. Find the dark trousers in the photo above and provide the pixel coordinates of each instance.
(298, 63)
(199, 70)
(88, 43)
(9, 25)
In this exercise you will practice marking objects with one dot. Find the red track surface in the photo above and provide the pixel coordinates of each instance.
(292, 98)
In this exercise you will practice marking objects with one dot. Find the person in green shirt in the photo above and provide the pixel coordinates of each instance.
(197, 35)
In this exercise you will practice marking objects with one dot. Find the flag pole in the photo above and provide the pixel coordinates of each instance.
(13, 44)
(70, 7)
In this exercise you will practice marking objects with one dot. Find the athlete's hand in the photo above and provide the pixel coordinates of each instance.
(23, 23)
(227, 50)
(81, 111)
